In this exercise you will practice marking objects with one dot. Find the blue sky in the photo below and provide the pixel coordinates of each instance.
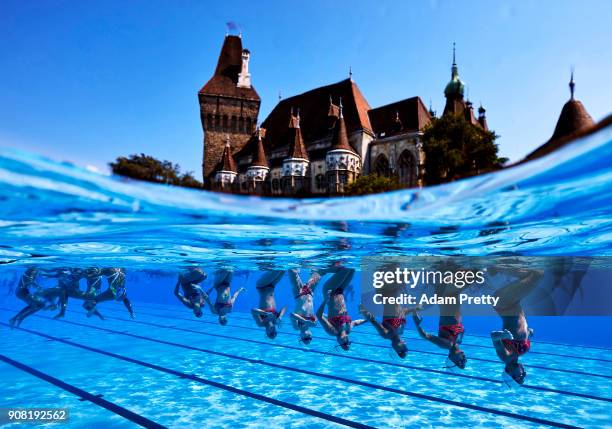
(86, 81)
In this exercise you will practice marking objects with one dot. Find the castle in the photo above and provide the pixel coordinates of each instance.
(318, 142)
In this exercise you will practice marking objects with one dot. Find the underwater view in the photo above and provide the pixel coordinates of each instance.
(124, 303)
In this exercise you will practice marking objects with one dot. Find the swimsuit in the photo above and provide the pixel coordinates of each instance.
(220, 305)
(339, 320)
(269, 310)
(452, 332)
(520, 347)
(394, 322)
(305, 290)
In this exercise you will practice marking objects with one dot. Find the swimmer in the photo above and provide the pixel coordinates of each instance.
(35, 297)
(337, 322)
(193, 296)
(266, 315)
(303, 318)
(514, 340)
(224, 301)
(393, 322)
(116, 290)
(68, 281)
(450, 328)
(93, 277)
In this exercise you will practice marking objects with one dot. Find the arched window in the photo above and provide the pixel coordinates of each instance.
(225, 125)
(407, 169)
(381, 166)
(234, 124)
(241, 125)
(320, 181)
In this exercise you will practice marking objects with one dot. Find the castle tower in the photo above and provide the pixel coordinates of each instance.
(454, 91)
(295, 166)
(226, 171)
(343, 164)
(573, 119)
(257, 172)
(229, 105)
(482, 118)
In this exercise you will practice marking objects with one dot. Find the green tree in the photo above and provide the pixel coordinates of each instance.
(372, 184)
(454, 148)
(150, 169)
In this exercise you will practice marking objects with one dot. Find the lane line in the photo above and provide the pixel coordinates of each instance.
(539, 388)
(412, 338)
(261, 362)
(545, 368)
(110, 406)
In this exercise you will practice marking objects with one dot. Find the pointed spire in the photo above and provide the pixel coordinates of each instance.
(572, 85)
(454, 68)
(431, 110)
(260, 159)
(350, 72)
(227, 160)
(340, 137)
(280, 96)
(297, 119)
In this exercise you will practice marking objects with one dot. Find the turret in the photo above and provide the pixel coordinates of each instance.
(226, 172)
(343, 164)
(482, 119)
(257, 172)
(295, 166)
(454, 91)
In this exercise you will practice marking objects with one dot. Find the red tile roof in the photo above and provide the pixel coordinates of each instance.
(573, 119)
(296, 142)
(224, 80)
(314, 108)
(340, 138)
(412, 113)
(227, 162)
(260, 158)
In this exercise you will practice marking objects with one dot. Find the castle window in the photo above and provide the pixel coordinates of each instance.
(217, 122)
(407, 169)
(225, 123)
(234, 124)
(209, 121)
(275, 185)
(241, 125)
(249, 125)
(381, 166)
(320, 181)
(342, 176)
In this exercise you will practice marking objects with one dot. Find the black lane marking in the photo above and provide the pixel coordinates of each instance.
(151, 306)
(567, 371)
(195, 378)
(533, 352)
(345, 356)
(85, 396)
(287, 405)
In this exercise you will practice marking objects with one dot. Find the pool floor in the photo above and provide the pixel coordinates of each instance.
(169, 369)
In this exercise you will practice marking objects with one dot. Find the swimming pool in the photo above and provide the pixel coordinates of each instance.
(168, 369)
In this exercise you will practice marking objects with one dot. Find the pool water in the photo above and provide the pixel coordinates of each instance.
(168, 369)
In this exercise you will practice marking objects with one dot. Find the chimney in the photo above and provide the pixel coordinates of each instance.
(244, 78)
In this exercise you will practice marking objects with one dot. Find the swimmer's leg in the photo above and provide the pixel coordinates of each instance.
(270, 278)
(128, 305)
